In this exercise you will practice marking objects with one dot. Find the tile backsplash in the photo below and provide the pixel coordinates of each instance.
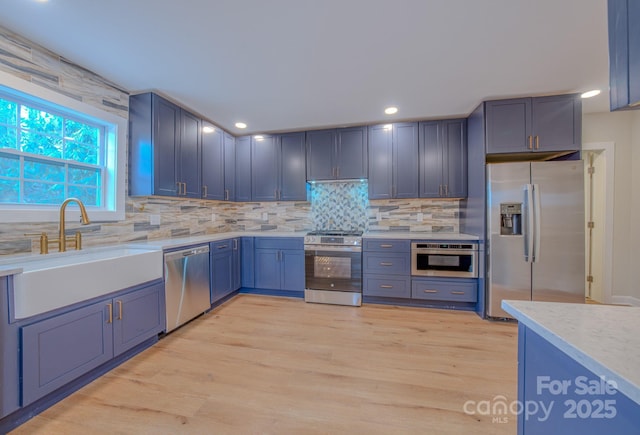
(340, 206)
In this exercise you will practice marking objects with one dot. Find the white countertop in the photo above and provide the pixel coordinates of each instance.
(603, 338)
(417, 235)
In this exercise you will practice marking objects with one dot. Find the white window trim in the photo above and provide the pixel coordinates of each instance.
(49, 213)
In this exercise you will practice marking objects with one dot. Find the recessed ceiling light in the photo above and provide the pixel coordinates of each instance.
(241, 125)
(590, 94)
(391, 110)
(208, 129)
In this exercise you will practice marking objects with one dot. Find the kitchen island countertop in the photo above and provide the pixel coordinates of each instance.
(603, 338)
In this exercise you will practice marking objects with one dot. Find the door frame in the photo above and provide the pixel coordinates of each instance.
(608, 148)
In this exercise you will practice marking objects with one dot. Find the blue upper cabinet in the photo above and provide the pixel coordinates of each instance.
(243, 169)
(624, 53)
(229, 167)
(443, 159)
(264, 168)
(278, 168)
(293, 186)
(337, 154)
(164, 148)
(213, 163)
(393, 166)
(542, 124)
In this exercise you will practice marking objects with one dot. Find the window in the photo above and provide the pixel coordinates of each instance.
(50, 151)
(46, 157)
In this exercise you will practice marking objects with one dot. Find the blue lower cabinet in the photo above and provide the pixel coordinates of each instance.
(445, 289)
(59, 349)
(222, 281)
(279, 264)
(387, 286)
(559, 395)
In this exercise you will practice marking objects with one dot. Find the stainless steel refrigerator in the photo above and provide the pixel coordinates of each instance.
(535, 224)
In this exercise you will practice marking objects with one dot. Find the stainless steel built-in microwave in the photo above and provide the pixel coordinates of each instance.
(444, 259)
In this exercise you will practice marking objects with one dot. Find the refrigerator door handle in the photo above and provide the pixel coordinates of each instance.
(536, 218)
(529, 231)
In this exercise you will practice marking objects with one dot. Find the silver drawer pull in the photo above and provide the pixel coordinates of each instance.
(386, 246)
(386, 286)
(223, 246)
(457, 293)
(386, 264)
(431, 291)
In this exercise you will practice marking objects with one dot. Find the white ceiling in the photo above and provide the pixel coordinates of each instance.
(282, 65)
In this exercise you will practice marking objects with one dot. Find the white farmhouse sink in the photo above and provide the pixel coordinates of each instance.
(58, 280)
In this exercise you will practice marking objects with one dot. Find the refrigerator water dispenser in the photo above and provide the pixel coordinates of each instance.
(511, 219)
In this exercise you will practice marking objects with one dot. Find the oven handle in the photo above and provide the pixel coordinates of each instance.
(445, 251)
(328, 248)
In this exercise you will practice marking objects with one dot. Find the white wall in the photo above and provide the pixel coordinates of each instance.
(622, 128)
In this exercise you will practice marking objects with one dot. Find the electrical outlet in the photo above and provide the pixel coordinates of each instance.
(213, 217)
(420, 217)
(154, 219)
(265, 216)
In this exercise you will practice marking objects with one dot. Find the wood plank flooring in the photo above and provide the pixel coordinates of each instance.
(269, 365)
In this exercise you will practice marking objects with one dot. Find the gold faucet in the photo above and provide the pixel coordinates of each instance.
(84, 219)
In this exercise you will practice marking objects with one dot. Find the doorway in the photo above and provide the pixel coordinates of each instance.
(598, 160)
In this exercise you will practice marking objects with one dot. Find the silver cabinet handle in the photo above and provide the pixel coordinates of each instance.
(110, 308)
(223, 246)
(226, 194)
(386, 246)
(179, 184)
(119, 310)
(386, 286)
(205, 191)
(446, 190)
(386, 263)
(457, 293)
(431, 291)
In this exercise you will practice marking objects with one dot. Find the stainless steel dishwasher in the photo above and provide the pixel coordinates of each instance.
(187, 294)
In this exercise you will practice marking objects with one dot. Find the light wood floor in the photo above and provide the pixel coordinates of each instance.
(267, 365)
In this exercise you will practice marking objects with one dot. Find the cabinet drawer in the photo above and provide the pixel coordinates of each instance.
(395, 286)
(389, 263)
(221, 246)
(279, 243)
(387, 245)
(445, 289)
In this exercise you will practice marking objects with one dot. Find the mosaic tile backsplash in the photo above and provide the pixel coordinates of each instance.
(340, 206)
(337, 205)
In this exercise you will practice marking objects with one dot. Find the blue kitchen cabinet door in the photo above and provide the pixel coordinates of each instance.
(137, 316)
(60, 349)
(454, 158)
(351, 157)
(381, 161)
(268, 270)
(624, 53)
(221, 270)
(154, 137)
(229, 193)
(443, 159)
(213, 164)
(265, 167)
(430, 160)
(321, 155)
(243, 169)
(292, 159)
(189, 157)
(508, 124)
(406, 180)
(556, 123)
(292, 269)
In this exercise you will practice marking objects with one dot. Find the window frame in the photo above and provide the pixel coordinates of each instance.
(115, 140)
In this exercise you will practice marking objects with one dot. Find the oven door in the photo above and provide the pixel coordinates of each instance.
(436, 262)
(337, 268)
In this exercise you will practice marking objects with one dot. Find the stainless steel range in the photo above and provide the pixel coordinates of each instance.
(333, 267)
